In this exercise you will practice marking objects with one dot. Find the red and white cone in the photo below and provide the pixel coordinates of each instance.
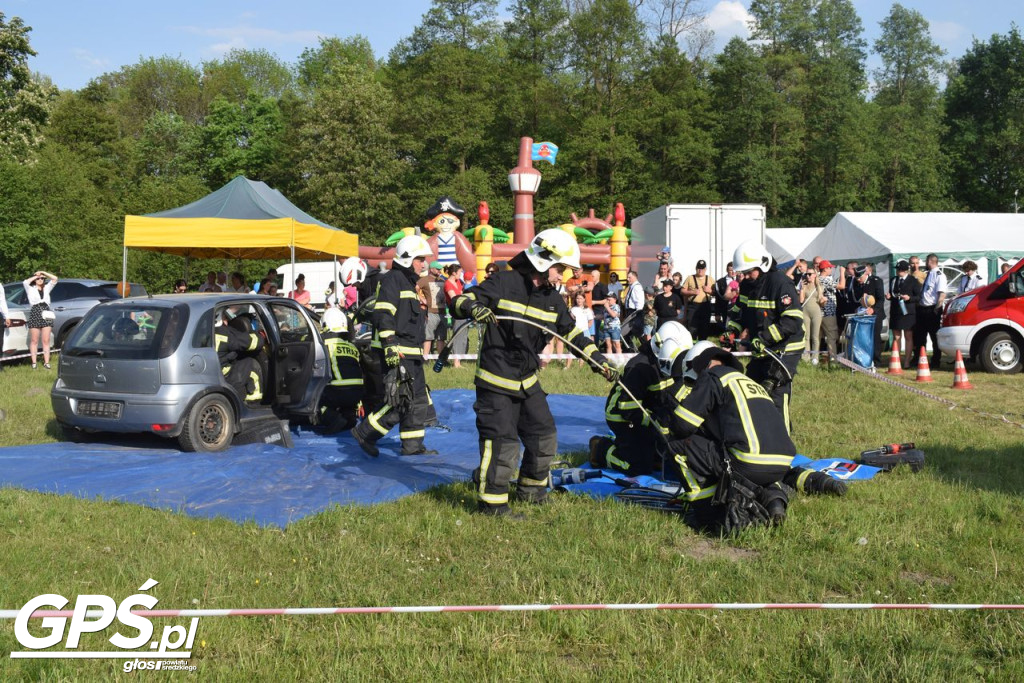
(924, 371)
(960, 373)
(895, 366)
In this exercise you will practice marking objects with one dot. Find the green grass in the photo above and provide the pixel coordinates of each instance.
(952, 533)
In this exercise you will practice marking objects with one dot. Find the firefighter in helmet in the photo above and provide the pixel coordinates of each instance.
(510, 405)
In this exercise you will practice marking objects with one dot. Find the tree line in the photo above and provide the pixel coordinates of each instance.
(643, 113)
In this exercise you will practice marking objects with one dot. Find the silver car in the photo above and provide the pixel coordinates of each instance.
(166, 378)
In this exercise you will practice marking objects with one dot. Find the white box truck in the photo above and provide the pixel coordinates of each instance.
(693, 232)
(318, 276)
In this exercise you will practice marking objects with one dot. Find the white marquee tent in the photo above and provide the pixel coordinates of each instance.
(789, 244)
(989, 239)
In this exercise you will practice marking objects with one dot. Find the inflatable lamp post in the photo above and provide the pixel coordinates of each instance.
(619, 243)
(484, 240)
(524, 180)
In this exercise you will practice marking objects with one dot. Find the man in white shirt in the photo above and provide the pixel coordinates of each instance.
(633, 303)
(211, 283)
(929, 310)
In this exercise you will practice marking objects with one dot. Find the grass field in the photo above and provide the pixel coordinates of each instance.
(952, 533)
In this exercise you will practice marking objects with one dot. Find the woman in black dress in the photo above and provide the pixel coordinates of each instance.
(668, 304)
(903, 295)
(40, 317)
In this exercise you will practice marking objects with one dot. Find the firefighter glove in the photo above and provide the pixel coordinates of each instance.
(757, 347)
(391, 356)
(482, 314)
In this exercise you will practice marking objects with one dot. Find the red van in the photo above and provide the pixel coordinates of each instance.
(988, 323)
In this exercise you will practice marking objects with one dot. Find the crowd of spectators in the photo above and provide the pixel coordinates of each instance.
(617, 311)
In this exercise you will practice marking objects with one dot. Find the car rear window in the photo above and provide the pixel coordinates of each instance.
(129, 332)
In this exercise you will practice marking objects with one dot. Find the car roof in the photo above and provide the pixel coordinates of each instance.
(197, 300)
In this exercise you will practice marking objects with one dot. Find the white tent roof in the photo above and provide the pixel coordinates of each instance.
(882, 236)
(789, 244)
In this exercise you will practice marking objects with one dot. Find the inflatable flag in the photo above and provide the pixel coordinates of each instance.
(545, 151)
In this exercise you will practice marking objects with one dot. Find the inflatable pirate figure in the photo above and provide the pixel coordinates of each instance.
(448, 244)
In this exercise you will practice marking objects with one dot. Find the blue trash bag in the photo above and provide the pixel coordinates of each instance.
(860, 339)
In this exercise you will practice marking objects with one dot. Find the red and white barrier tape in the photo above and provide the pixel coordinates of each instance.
(914, 390)
(419, 609)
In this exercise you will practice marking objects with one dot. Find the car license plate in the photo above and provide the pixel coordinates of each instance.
(108, 409)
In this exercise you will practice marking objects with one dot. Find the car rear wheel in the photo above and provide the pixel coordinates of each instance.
(1001, 353)
(209, 425)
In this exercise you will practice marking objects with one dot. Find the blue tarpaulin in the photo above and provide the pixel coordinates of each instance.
(272, 485)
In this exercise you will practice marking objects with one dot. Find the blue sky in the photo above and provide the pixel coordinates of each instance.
(78, 40)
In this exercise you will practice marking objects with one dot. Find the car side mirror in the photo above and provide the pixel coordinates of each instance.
(1014, 285)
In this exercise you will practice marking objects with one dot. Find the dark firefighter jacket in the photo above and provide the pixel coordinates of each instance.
(737, 412)
(398, 318)
(508, 360)
(642, 378)
(769, 308)
(344, 359)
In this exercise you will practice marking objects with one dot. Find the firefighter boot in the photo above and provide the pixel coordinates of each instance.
(599, 447)
(821, 484)
(814, 483)
(534, 495)
(500, 511)
(359, 434)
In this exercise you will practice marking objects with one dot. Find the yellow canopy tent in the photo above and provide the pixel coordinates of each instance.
(245, 219)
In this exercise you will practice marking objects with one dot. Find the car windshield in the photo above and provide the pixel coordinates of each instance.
(129, 332)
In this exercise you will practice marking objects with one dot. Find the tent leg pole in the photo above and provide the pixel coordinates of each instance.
(188, 260)
(124, 266)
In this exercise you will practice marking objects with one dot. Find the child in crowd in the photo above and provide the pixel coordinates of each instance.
(650, 317)
(612, 325)
(584, 317)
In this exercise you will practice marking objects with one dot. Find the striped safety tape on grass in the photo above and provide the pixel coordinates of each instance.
(417, 609)
(914, 390)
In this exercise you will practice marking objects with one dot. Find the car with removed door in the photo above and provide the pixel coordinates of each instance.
(165, 377)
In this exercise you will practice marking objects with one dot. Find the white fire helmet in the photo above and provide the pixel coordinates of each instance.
(551, 247)
(409, 247)
(668, 343)
(352, 270)
(334, 320)
(750, 255)
(698, 348)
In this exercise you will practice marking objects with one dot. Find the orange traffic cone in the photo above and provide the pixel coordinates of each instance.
(960, 373)
(895, 366)
(924, 371)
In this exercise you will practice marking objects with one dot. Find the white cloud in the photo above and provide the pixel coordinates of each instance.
(947, 31)
(90, 60)
(244, 36)
(729, 19)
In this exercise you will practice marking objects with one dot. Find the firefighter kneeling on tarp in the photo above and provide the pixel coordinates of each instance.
(729, 445)
(238, 346)
(339, 406)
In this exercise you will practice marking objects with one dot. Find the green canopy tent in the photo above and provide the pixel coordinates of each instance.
(245, 219)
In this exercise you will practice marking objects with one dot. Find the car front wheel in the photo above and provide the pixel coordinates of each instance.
(1001, 353)
(209, 425)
